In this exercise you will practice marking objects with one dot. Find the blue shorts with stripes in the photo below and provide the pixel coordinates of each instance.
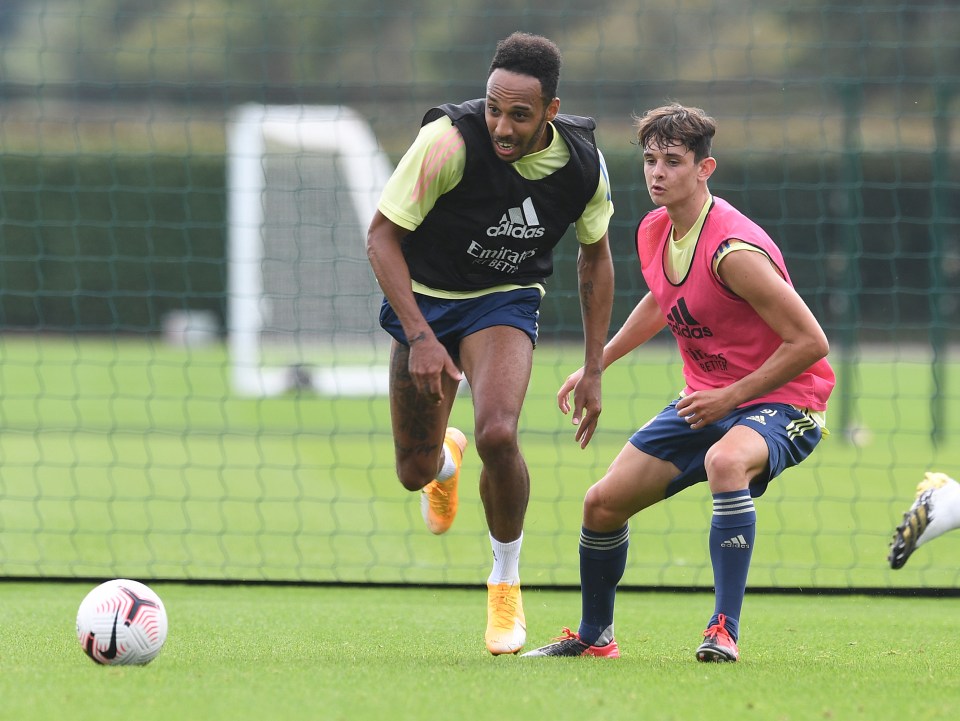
(790, 434)
(454, 320)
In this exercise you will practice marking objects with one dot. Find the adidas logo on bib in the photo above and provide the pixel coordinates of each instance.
(521, 222)
(683, 324)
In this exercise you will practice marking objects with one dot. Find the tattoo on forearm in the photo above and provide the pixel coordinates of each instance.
(417, 338)
(586, 295)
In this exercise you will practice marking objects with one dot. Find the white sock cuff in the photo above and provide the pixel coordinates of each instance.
(508, 547)
(506, 561)
(449, 467)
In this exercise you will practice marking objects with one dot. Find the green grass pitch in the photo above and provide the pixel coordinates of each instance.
(354, 654)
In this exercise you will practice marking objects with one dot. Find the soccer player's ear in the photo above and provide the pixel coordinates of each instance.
(553, 108)
(707, 166)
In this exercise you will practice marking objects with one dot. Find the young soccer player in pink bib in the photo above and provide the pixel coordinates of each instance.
(756, 383)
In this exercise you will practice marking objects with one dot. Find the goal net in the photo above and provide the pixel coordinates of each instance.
(303, 183)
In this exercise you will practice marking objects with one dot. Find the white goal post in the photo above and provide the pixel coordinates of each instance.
(303, 183)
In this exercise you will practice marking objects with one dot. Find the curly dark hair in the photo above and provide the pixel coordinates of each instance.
(675, 123)
(532, 55)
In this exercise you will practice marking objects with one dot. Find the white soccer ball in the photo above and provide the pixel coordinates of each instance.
(122, 622)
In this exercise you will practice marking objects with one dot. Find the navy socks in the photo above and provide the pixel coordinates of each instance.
(603, 558)
(732, 533)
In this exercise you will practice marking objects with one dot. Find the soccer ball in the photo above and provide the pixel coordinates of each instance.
(122, 622)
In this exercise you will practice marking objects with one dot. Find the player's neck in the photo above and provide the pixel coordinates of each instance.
(685, 213)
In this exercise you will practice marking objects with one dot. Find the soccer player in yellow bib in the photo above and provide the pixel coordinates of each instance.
(462, 244)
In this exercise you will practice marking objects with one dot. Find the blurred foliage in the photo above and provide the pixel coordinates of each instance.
(308, 42)
(777, 73)
(880, 41)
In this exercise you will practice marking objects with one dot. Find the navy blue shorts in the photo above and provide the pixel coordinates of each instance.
(454, 320)
(790, 434)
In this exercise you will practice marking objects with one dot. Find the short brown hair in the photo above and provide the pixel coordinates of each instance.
(675, 123)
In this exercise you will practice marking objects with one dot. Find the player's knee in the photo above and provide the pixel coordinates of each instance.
(415, 475)
(495, 439)
(599, 514)
(726, 470)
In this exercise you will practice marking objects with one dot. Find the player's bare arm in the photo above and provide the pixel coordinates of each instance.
(755, 279)
(595, 274)
(644, 322)
(428, 358)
